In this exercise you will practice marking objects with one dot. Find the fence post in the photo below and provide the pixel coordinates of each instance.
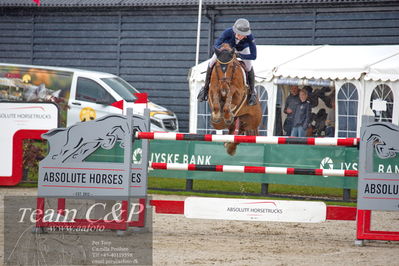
(189, 184)
(264, 189)
(346, 194)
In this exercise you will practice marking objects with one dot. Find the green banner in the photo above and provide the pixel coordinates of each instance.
(387, 166)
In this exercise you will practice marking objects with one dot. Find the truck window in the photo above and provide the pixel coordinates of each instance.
(90, 91)
(124, 89)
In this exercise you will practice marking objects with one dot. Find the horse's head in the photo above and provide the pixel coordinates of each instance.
(225, 53)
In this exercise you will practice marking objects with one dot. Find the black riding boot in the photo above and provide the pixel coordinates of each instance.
(203, 94)
(251, 83)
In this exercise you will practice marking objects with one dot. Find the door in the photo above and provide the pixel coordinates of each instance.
(91, 101)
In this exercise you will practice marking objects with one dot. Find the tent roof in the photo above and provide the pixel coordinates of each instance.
(336, 62)
(386, 70)
(271, 57)
(379, 62)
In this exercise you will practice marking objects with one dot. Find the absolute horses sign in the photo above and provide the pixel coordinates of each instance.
(379, 149)
(75, 143)
(65, 173)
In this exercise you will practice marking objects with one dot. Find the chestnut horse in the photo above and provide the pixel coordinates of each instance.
(228, 94)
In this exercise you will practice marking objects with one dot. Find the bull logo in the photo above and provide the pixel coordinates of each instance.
(77, 142)
(385, 139)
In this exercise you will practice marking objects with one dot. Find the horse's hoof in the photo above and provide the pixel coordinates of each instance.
(230, 148)
(228, 122)
(216, 121)
(231, 152)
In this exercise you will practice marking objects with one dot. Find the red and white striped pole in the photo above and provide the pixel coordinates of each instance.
(252, 169)
(349, 142)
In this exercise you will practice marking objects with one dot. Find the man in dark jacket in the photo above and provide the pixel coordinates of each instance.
(239, 37)
(301, 115)
(289, 109)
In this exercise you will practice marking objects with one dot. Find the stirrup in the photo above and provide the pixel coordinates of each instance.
(252, 99)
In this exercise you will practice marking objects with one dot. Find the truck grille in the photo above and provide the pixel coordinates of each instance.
(170, 124)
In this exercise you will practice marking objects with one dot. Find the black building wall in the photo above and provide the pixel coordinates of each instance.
(154, 48)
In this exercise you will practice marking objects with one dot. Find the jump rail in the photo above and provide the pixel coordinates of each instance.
(252, 169)
(348, 142)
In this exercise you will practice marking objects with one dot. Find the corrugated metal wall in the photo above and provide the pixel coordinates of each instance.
(154, 48)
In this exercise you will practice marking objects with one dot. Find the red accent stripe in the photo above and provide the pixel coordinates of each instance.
(381, 179)
(254, 169)
(245, 139)
(311, 141)
(180, 136)
(146, 135)
(208, 137)
(347, 141)
(282, 140)
(380, 198)
(83, 187)
(168, 206)
(28, 107)
(191, 167)
(341, 213)
(219, 168)
(159, 166)
(97, 169)
(290, 171)
(17, 156)
(318, 171)
(118, 104)
(351, 173)
(141, 97)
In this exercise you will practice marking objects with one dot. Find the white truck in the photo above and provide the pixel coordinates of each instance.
(80, 94)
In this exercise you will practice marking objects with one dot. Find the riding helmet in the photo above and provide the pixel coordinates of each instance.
(241, 26)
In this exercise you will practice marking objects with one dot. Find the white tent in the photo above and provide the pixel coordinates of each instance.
(364, 66)
(336, 62)
(385, 70)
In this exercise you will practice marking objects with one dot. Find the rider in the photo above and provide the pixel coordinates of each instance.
(239, 37)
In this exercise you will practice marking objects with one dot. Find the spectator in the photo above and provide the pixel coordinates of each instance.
(290, 105)
(301, 115)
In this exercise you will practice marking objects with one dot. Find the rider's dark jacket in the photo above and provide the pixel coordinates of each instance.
(228, 36)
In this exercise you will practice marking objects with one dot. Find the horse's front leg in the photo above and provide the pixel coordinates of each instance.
(232, 146)
(227, 114)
